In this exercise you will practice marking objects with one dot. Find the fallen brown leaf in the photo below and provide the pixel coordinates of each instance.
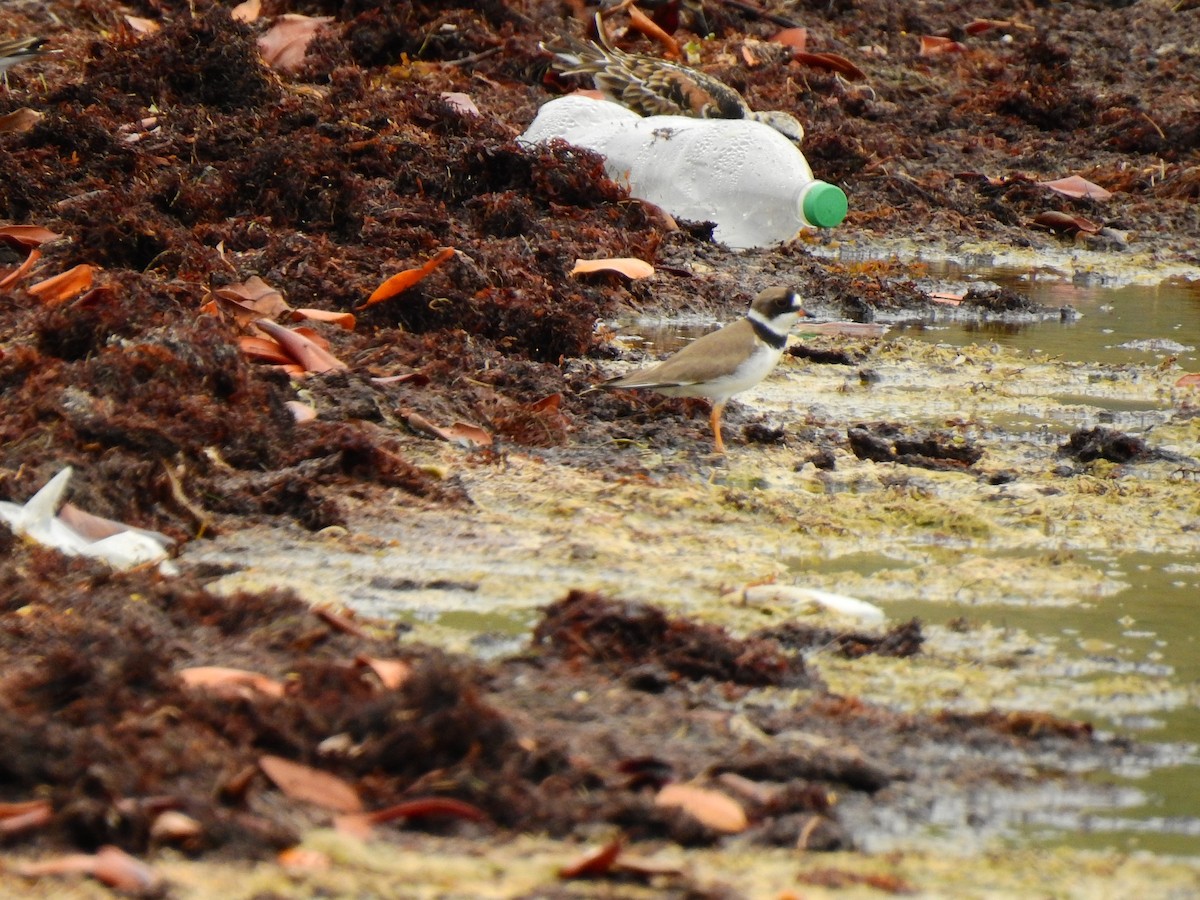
(402, 281)
(226, 682)
(301, 782)
(1077, 187)
(250, 300)
(339, 622)
(110, 866)
(361, 825)
(647, 26)
(64, 286)
(22, 270)
(1190, 380)
(628, 266)
(343, 320)
(247, 11)
(461, 103)
(458, 433)
(16, 818)
(597, 861)
(302, 348)
(392, 673)
(831, 62)
(711, 808)
(19, 120)
(27, 235)
(796, 38)
(263, 349)
(284, 45)
(1053, 220)
(935, 45)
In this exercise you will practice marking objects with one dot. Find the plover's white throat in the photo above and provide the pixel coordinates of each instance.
(725, 362)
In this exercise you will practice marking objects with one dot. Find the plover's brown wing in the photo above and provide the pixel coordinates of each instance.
(717, 354)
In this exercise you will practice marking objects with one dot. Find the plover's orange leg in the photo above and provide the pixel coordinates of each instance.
(714, 420)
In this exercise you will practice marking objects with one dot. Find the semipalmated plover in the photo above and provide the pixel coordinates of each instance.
(725, 362)
(655, 87)
(18, 50)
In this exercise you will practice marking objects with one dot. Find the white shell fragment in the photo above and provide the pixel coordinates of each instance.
(850, 607)
(38, 521)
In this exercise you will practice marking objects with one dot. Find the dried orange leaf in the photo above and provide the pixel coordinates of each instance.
(340, 319)
(304, 350)
(596, 861)
(459, 432)
(628, 266)
(408, 278)
(225, 682)
(19, 120)
(264, 350)
(935, 45)
(832, 62)
(27, 235)
(1077, 187)
(300, 782)
(284, 45)
(392, 673)
(64, 286)
(1189, 380)
(796, 38)
(247, 11)
(711, 808)
(22, 270)
(647, 26)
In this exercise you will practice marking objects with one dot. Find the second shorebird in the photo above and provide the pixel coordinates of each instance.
(725, 362)
(655, 87)
(20, 49)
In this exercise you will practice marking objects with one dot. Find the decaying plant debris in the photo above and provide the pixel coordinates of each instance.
(174, 163)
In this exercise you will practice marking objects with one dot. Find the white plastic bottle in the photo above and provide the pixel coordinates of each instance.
(746, 177)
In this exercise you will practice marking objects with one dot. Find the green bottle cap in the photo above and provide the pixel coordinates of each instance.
(824, 205)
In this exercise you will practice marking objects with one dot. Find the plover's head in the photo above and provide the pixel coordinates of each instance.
(778, 308)
(785, 123)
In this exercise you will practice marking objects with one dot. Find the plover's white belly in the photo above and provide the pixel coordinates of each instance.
(747, 375)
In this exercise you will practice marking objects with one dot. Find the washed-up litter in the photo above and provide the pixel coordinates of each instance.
(840, 604)
(39, 520)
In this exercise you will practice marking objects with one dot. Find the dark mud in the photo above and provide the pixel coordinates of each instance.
(176, 163)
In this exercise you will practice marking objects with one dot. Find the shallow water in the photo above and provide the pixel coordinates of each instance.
(1149, 629)
(1136, 323)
